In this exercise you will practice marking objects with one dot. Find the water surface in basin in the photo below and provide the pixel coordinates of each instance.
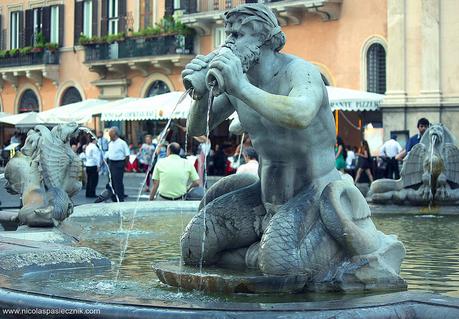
(431, 263)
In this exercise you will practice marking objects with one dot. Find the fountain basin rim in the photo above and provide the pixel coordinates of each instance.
(12, 297)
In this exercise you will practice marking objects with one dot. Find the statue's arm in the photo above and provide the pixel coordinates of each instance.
(299, 108)
(197, 117)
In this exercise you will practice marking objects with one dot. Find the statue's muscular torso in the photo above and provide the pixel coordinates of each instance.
(291, 158)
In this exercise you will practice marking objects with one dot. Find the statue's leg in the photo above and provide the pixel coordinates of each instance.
(295, 241)
(230, 223)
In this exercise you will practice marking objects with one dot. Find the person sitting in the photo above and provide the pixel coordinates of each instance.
(251, 162)
(171, 176)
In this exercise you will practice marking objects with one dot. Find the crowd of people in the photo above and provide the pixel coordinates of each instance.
(357, 161)
(170, 172)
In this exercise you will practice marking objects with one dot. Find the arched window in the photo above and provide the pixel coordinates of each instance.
(376, 69)
(71, 95)
(28, 102)
(156, 88)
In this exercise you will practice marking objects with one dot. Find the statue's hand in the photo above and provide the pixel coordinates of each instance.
(230, 67)
(197, 67)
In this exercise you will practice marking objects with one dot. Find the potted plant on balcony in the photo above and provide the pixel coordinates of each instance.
(4, 54)
(13, 52)
(25, 51)
(39, 43)
(52, 47)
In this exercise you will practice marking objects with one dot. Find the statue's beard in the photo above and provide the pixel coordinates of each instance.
(248, 55)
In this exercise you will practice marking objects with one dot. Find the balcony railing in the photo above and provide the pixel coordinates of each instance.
(139, 47)
(32, 58)
(194, 6)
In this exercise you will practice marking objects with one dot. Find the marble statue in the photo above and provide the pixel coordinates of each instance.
(430, 173)
(300, 216)
(46, 174)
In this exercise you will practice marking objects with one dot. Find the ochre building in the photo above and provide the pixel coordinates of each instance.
(56, 52)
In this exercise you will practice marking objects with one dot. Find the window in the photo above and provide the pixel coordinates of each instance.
(28, 102)
(177, 4)
(14, 29)
(146, 14)
(37, 26)
(71, 95)
(112, 16)
(219, 36)
(87, 18)
(54, 27)
(376, 69)
(158, 87)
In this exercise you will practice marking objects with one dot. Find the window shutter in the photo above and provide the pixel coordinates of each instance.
(21, 29)
(122, 12)
(2, 46)
(78, 27)
(95, 17)
(61, 24)
(29, 28)
(169, 8)
(192, 6)
(104, 18)
(46, 23)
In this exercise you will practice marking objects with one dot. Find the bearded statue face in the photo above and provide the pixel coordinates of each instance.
(244, 42)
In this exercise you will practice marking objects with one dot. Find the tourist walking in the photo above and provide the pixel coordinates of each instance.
(172, 176)
(145, 156)
(92, 163)
(251, 162)
(118, 154)
(103, 146)
(340, 155)
(390, 149)
(363, 162)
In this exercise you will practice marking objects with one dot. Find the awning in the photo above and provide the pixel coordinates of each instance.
(157, 107)
(79, 112)
(353, 100)
(28, 119)
(349, 100)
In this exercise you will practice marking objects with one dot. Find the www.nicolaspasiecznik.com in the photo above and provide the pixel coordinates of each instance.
(48, 311)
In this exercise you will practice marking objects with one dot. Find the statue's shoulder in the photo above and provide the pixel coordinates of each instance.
(297, 65)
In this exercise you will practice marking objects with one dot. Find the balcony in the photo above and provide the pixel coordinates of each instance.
(33, 65)
(140, 54)
(201, 15)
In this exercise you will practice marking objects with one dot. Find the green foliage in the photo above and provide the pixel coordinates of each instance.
(13, 52)
(3, 54)
(25, 50)
(40, 40)
(52, 46)
(115, 37)
(84, 39)
(167, 25)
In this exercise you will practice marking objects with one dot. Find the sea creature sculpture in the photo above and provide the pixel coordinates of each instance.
(430, 173)
(46, 174)
(300, 217)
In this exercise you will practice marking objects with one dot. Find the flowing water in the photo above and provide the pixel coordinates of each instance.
(431, 262)
(161, 140)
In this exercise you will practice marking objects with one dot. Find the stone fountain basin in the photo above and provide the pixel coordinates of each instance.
(402, 304)
(395, 305)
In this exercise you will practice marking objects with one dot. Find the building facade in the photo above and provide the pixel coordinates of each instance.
(422, 64)
(404, 48)
(43, 63)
